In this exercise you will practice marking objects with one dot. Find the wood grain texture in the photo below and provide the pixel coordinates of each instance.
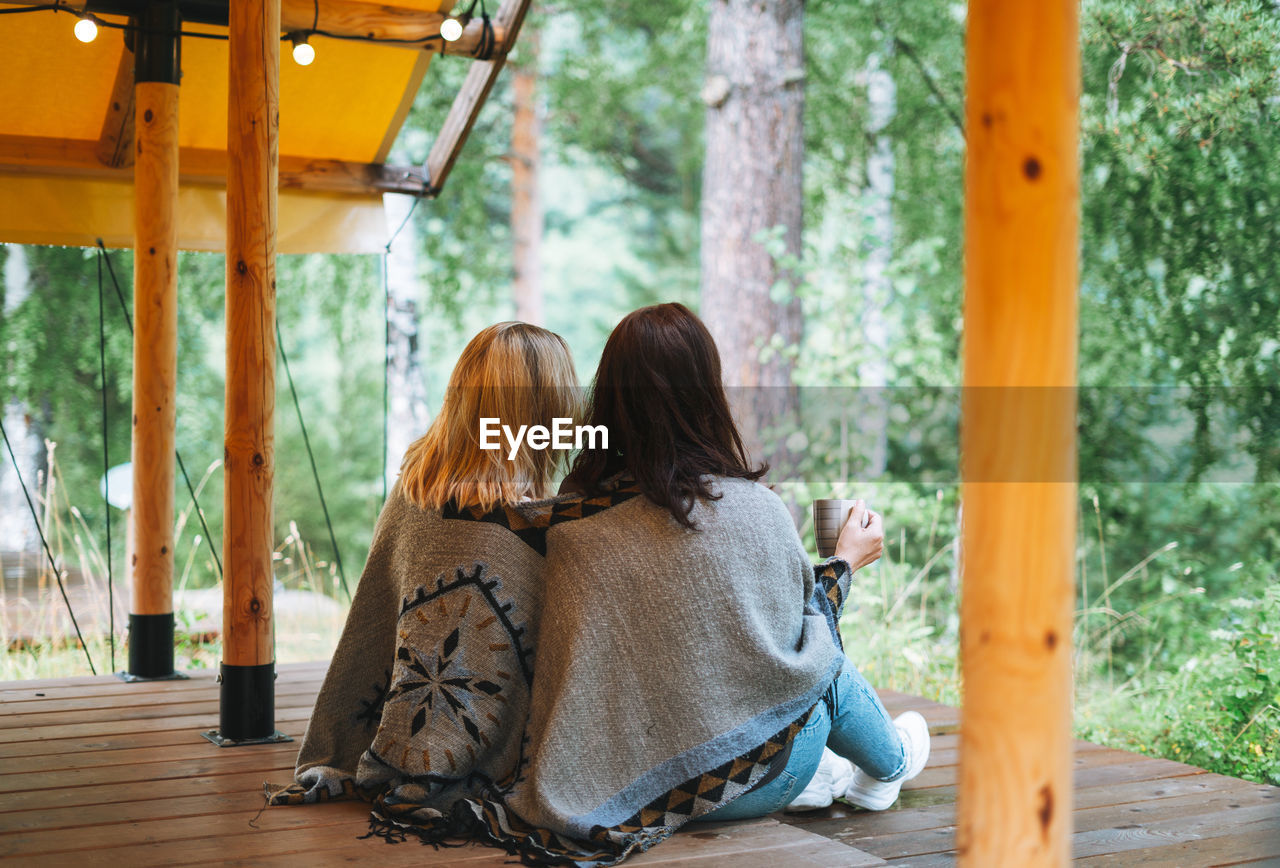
(165, 796)
(526, 197)
(1018, 432)
(382, 21)
(155, 345)
(253, 135)
(472, 95)
(39, 155)
(115, 143)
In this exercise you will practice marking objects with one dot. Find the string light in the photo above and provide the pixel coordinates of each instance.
(86, 29)
(451, 30)
(303, 53)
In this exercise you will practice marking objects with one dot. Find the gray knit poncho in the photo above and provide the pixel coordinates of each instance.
(673, 667)
(428, 690)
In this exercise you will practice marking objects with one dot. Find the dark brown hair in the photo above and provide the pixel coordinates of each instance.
(658, 392)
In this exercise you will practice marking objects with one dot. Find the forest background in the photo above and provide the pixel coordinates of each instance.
(605, 175)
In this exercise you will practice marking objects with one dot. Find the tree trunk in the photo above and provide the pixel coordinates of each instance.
(878, 290)
(754, 94)
(526, 204)
(26, 435)
(407, 415)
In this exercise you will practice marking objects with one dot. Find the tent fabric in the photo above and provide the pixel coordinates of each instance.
(76, 212)
(348, 105)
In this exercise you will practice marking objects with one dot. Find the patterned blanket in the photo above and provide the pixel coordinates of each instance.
(431, 709)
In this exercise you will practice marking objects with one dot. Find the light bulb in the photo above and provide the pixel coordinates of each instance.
(451, 29)
(303, 53)
(86, 30)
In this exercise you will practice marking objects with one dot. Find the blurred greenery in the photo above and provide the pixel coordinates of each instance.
(1178, 552)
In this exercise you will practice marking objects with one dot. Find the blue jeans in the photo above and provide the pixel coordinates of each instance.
(853, 722)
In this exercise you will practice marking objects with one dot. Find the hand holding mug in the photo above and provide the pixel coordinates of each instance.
(848, 529)
(861, 540)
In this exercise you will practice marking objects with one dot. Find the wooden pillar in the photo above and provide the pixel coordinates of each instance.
(1018, 432)
(253, 122)
(155, 344)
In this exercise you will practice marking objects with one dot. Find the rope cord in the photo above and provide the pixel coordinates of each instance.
(182, 467)
(204, 525)
(488, 43)
(106, 462)
(315, 472)
(386, 366)
(44, 542)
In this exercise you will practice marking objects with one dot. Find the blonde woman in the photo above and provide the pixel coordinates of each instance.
(426, 697)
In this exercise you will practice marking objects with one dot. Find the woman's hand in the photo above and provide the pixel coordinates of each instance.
(861, 539)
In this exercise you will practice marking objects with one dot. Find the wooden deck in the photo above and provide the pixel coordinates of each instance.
(96, 771)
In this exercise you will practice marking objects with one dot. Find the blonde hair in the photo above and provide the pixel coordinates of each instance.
(517, 373)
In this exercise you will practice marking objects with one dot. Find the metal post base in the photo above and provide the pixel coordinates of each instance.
(150, 647)
(217, 738)
(172, 676)
(247, 702)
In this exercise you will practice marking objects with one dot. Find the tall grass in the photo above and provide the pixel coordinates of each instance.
(36, 637)
(1216, 706)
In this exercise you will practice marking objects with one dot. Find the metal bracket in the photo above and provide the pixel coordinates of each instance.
(217, 738)
(130, 678)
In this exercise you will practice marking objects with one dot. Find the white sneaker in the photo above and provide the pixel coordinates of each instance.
(867, 792)
(829, 782)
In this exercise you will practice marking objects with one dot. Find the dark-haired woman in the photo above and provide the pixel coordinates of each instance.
(688, 665)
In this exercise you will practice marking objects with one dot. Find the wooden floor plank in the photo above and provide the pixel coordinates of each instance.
(1214, 822)
(143, 710)
(196, 722)
(1179, 807)
(751, 844)
(1092, 805)
(119, 793)
(231, 826)
(88, 683)
(192, 747)
(98, 766)
(1117, 795)
(1255, 843)
(128, 811)
(379, 853)
(108, 743)
(131, 708)
(1179, 820)
(216, 761)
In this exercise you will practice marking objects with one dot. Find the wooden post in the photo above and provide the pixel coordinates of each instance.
(155, 344)
(1018, 433)
(253, 123)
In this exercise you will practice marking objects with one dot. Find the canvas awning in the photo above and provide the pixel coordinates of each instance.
(65, 133)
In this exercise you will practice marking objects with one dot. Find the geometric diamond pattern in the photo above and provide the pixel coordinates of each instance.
(530, 523)
(699, 795)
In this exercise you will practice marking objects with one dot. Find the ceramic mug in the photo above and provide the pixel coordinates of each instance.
(829, 516)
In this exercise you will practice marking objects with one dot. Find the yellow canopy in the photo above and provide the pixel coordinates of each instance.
(338, 120)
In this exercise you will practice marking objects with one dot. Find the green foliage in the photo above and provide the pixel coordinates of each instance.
(1219, 710)
(623, 166)
(621, 81)
(464, 235)
(1180, 156)
(1213, 542)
